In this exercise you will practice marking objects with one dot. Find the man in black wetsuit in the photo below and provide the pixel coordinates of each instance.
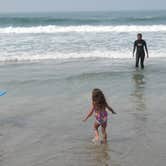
(140, 47)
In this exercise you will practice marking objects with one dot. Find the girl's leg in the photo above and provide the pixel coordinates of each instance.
(104, 133)
(96, 126)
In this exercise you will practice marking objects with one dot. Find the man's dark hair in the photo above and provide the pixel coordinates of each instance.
(139, 34)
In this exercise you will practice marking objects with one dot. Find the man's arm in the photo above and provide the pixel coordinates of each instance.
(89, 114)
(146, 49)
(134, 48)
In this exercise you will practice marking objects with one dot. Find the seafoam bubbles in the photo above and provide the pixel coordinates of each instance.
(66, 56)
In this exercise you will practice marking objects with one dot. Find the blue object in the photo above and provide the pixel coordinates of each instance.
(2, 93)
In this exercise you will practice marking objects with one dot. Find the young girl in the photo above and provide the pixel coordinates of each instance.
(99, 106)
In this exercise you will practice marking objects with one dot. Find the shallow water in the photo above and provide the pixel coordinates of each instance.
(41, 115)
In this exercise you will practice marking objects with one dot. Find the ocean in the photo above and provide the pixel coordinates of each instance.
(49, 64)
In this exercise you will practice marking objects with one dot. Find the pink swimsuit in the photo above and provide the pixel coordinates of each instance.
(101, 117)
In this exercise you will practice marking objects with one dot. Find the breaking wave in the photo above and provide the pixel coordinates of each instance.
(83, 29)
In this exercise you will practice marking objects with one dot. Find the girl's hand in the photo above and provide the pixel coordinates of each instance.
(84, 120)
(89, 114)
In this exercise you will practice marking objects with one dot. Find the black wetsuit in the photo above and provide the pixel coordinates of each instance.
(140, 54)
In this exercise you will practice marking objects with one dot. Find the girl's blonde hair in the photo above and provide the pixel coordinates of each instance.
(98, 98)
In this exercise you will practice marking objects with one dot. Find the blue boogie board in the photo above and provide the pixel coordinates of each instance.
(2, 93)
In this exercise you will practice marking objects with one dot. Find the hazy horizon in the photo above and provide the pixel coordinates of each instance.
(20, 6)
(75, 11)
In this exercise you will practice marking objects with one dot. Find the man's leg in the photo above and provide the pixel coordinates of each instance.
(142, 60)
(137, 60)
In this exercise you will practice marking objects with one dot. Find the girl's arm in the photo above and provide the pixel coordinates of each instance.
(89, 114)
(110, 109)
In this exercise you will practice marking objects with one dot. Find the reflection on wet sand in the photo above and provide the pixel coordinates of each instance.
(139, 104)
(138, 93)
(100, 154)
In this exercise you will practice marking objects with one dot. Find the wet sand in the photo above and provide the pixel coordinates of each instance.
(41, 115)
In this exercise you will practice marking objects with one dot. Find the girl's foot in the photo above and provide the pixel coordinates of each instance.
(95, 141)
(104, 142)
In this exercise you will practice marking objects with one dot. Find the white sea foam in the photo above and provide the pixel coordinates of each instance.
(54, 56)
(84, 28)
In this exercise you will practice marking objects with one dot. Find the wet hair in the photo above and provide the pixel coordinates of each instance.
(139, 34)
(98, 98)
